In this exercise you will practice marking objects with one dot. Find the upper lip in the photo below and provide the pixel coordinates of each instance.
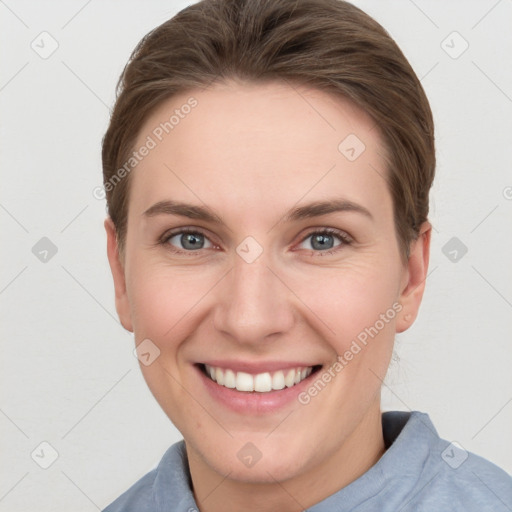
(256, 367)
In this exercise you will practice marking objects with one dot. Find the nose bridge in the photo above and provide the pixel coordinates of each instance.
(253, 302)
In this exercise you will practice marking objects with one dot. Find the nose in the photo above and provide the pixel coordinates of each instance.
(254, 303)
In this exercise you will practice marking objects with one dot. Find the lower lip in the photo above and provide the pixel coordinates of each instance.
(253, 402)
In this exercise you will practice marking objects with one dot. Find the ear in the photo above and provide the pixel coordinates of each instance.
(116, 266)
(415, 274)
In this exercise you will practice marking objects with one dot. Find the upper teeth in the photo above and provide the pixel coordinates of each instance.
(261, 382)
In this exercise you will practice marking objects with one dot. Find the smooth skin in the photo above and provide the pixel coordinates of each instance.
(251, 153)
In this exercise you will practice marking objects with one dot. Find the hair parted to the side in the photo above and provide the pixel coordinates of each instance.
(330, 45)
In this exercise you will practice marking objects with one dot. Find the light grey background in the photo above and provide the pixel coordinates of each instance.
(69, 377)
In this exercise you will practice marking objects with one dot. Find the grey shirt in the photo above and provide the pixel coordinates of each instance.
(419, 472)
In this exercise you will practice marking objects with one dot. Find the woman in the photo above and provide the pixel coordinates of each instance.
(267, 169)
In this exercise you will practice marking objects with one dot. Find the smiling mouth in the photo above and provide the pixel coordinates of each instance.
(262, 382)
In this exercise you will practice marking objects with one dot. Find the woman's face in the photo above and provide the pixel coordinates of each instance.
(264, 279)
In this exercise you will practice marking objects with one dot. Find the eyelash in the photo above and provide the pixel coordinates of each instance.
(343, 237)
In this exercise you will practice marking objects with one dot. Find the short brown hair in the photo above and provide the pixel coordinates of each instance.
(330, 45)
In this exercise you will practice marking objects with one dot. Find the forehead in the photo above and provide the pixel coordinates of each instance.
(273, 141)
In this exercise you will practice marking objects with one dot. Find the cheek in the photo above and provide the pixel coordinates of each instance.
(166, 306)
(357, 308)
(357, 302)
(162, 298)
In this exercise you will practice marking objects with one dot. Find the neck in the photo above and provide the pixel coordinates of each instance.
(360, 451)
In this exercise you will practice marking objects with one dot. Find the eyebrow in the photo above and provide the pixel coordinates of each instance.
(184, 209)
(314, 209)
(318, 208)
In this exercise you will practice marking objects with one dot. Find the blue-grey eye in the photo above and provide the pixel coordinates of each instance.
(189, 241)
(323, 240)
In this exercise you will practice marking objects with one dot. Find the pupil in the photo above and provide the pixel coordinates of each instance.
(323, 241)
(191, 241)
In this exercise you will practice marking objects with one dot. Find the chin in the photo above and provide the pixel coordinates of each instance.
(263, 472)
(258, 462)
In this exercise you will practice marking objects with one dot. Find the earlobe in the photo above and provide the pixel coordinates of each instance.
(118, 274)
(415, 275)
